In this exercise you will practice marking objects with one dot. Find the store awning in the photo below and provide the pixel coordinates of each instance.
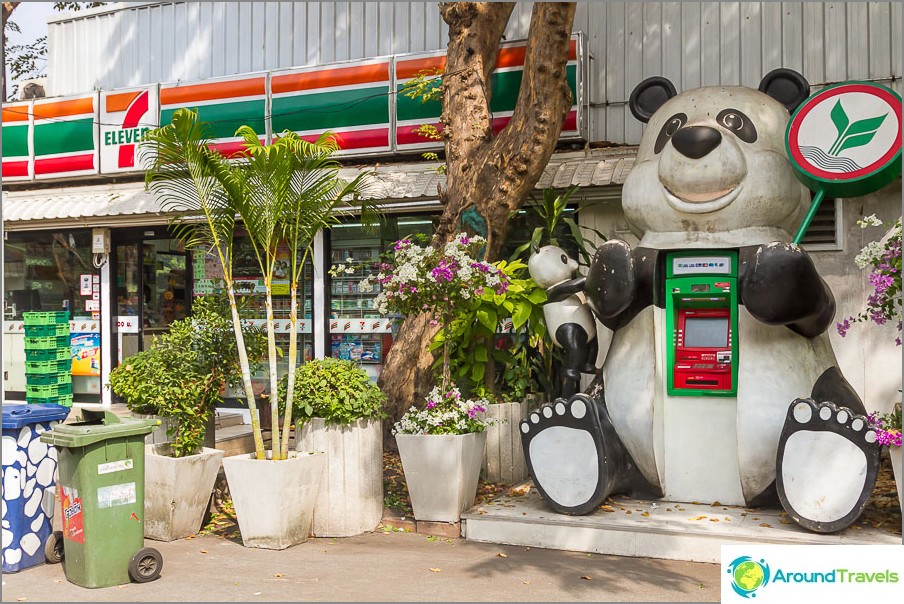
(399, 186)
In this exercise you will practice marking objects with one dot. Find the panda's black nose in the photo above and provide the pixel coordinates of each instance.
(696, 141)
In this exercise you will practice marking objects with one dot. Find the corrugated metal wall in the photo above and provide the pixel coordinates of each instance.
(691, 43)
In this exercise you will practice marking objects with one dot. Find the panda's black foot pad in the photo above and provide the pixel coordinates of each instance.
(827, 463)
(563, 446)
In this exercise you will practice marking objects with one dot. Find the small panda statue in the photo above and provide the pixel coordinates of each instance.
(568, 318)
(712, 174)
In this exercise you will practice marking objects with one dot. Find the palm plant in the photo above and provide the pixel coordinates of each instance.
(283, 193)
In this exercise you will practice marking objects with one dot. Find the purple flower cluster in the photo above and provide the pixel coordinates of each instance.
(886, 434)
(884, 303)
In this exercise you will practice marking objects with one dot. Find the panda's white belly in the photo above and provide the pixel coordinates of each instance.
(709, 448)
(570, 310)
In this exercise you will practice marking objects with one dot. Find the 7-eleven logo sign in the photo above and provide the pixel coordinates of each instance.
(126, 115)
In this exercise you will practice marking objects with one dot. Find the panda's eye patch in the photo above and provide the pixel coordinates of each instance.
(564, 259)
(737, 122)
(671, 126)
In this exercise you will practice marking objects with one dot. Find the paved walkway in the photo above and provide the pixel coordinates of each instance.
(382, 567)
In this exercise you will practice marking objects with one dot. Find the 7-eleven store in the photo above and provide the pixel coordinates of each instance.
(82, 234)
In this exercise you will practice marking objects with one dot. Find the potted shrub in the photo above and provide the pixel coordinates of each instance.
(500, 368)
(888, 433)
(179, 379)
(441, 447)
(283, 194)
(338, 409)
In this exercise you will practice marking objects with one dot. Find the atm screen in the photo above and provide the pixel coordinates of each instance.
(710, 332)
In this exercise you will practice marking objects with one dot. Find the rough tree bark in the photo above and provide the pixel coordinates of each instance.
(493, 173)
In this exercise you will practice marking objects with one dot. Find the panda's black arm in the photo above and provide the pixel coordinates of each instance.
(621, 282)
(560, 291)
(779, 285)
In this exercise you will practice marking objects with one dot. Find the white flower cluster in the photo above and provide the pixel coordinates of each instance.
(421, 276)
(445, 414)
(869, 254)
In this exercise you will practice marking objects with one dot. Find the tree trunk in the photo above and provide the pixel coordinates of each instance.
(407, 376)
(492, 173)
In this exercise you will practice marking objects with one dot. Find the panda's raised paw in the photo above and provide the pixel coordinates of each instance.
(828, 460)
(564, 449)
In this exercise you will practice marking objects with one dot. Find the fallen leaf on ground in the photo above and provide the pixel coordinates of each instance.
(277, 574)
(645, 514)
(699, 518)
(435, 570)
(526, 582)
(586, 577)
(607, 508)
(714, 520)
(715, 503)
(203, 551)
(765, 525)
(501, 555)
(785, 521)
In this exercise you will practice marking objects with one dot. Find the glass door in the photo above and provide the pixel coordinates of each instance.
(152, 289)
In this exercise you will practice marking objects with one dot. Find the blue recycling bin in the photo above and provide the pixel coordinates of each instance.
(28, 483)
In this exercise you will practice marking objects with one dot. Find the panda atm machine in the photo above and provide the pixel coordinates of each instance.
(701, 374)
(702, 320)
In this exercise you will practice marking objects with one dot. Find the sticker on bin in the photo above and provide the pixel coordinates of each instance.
(115, 466)
(116, 494)
(73, 524)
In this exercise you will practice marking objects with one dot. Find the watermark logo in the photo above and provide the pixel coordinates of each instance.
(748, 575)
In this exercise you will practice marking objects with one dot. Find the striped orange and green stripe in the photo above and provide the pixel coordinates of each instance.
(64, 138)
(224, 117)
(352, 101)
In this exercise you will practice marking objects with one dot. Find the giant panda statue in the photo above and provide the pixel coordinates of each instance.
(712, 174)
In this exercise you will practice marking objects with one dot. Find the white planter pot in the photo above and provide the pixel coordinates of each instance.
(177, 491)
(441, 472)
(274, 500)
(895, 454)
(351, 498)
(504, 457)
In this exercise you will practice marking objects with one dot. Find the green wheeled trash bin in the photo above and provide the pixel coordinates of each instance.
(101, 493)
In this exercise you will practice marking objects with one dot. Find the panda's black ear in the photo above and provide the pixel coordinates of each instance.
(650, 95)
(786, 86)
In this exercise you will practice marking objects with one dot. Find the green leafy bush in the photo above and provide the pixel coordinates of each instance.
(182, 375)
(337, 390)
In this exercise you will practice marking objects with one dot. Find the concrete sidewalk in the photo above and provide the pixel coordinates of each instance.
(382, 566)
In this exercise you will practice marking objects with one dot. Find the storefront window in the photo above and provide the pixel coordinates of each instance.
(250, 288)
(46, 271)
(357, 330)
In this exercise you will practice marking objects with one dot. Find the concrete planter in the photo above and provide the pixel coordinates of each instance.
(177, 491)
(504, 458)
(351, 498)
(274, 500)
(441, 472)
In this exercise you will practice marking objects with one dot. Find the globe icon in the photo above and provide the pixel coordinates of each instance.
(748, 575)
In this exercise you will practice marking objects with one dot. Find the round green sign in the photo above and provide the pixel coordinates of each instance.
(845, 140)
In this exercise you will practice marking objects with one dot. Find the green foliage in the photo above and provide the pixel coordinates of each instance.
(182, 375)
(337, 390)
(474, 354)
(426, 85)
(552, 212)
